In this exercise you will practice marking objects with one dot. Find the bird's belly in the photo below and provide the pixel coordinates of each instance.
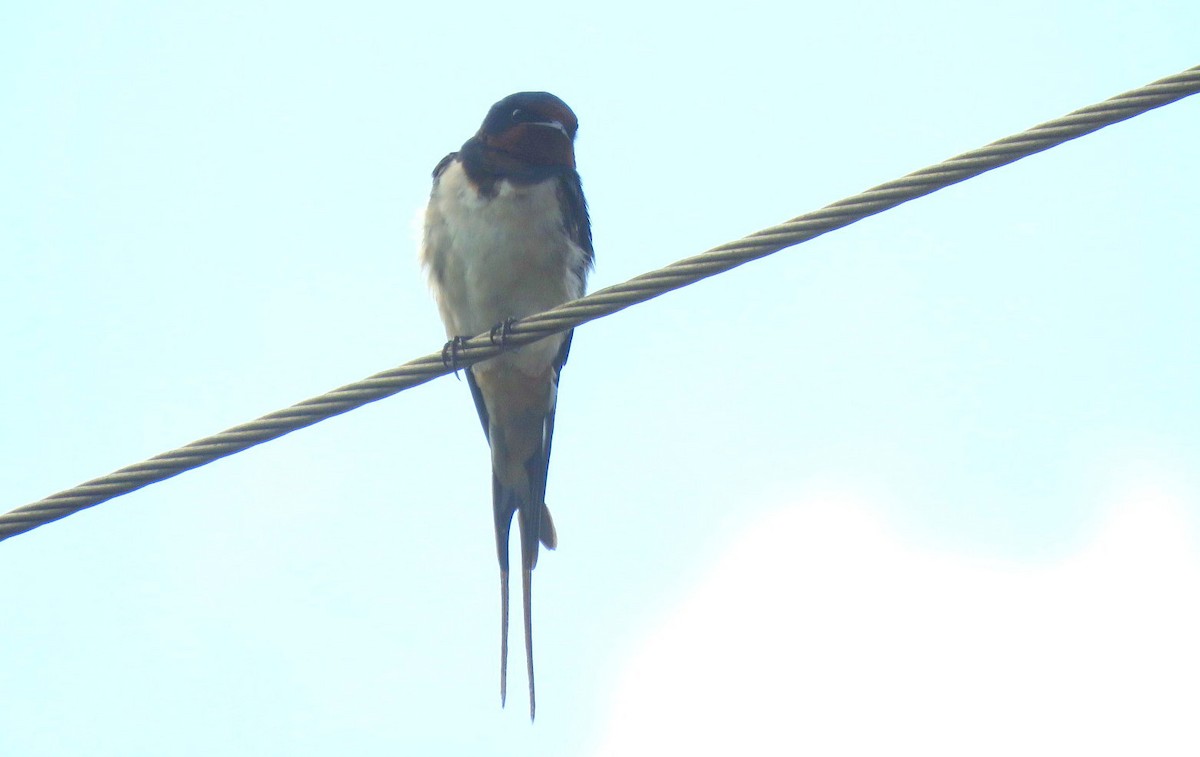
(503, 257)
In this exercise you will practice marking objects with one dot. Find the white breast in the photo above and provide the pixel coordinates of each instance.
(493, 258)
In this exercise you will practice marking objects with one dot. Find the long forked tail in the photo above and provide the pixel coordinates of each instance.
(542, 532)
(519, 434)
(527, 596)
(503, 635)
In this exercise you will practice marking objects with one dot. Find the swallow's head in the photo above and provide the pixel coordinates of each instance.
(535, 128)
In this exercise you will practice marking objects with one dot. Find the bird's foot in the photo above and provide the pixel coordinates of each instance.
(501, 331)
(450, 353)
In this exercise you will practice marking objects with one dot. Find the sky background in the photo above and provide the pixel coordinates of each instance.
(931, 482)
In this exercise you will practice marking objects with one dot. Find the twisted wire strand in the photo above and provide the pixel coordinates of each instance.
(604, 302)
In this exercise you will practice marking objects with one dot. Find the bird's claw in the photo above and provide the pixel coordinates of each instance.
(450, 353)
(501, 331)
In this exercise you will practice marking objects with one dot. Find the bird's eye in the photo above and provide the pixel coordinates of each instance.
(522, 116)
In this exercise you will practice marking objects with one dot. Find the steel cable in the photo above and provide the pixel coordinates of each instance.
(605, 301)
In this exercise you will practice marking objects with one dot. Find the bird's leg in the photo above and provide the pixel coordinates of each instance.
(501, 331)
(450, 353)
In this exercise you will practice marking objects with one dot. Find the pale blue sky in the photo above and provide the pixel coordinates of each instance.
(979, 407)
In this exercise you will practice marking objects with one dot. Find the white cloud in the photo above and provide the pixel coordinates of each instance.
(822, 632)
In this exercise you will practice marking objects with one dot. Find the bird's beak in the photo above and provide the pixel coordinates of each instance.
(552, 125)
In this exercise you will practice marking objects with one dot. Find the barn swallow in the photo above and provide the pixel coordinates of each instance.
(507, 235)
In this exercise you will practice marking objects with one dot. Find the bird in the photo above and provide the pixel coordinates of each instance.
(507, 235)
